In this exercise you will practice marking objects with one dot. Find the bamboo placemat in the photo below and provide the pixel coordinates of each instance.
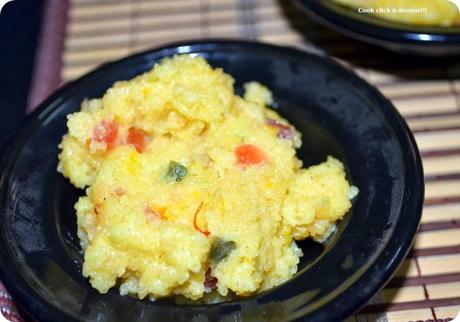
(425, 91)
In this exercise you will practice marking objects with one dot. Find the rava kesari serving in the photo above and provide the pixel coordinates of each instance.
(191, 188)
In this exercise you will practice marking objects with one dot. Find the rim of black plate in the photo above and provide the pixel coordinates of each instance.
(338, 307)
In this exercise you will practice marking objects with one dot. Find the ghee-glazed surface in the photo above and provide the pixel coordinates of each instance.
(179, 169)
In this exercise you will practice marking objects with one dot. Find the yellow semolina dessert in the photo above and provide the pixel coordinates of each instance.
(414, 12)
(191, 188)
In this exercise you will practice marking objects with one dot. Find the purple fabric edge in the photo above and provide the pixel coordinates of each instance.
(46, 78)
(48, 63)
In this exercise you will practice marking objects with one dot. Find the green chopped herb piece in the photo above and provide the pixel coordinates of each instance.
(220, 249)
(176, 171)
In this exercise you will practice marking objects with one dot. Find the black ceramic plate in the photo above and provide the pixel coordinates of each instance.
(403, 38)
(337, 113)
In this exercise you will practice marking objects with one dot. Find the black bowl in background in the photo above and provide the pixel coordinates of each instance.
(402, 38)
(337, 112)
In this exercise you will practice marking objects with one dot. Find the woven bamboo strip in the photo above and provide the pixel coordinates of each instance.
(222, 5)
(269, 11)
(173, 16)
(284, 39)
(97, 26)
(440, 140)
(278, 29)
(405, 281)
(426, 105)
(441, 165)
(281, 26)
(177, 5)
(76, 3)
(101, 10)
(409, 315)
(220, 2)
(411, 88)
(441, 213)
(167, 22)
(442, 189)
(224, 31)
(457, 85)
(434, 265)
(407, 268)
(98, 46)
(434, 122)
(216, 17)
(442, 238)
(186, 8)
(137, 47)
(70, 73)
(444, 290)
(91, 3)
(264, 13)
(447, 312)
(405, 294)
(267, 2)
(387, 74)
(171, 35)
(95, 3)
(318, 38)
(87, 57)
(99, 41)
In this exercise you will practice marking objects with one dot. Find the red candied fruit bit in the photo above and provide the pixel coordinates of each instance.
(153, 214)
(119, 191)
(107, 132)
(248, 154)
(210, 282)
(97, 209)
(284, 131)
(136, 138)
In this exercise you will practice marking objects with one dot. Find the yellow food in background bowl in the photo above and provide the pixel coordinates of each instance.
(415, 12)
(192, 188)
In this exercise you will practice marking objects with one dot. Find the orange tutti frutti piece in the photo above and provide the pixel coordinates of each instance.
(249, 154)
(136, 138)
(107, 132)
(152, 214)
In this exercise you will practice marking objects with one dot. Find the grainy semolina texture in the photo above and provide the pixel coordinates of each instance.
(190, 187)
(416, 12)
